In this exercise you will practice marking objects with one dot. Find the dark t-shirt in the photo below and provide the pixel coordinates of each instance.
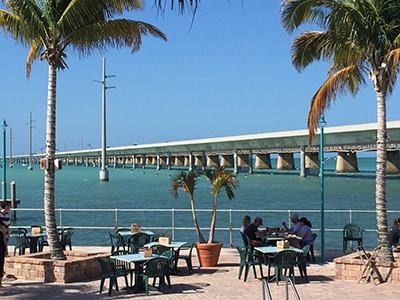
(250, 232)
(394, 235)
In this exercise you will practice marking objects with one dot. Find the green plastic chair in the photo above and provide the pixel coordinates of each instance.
(123, 240)
(155, 268)
(66, 235)
(282, 262)
(352, 232)
(111, 271)
(138, 240)
(301, 262)
(127, 265)
(246, 262)
(19, 240)
(169, 255)
(159, 249)
(188, 259)
(116, 242)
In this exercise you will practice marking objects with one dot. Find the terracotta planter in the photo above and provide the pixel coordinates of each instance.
(208, 254)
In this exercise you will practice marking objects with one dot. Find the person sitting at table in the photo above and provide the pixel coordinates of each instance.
(252, 232)
(246, 221)
(394, 233)
(294, 229)
(305, 233)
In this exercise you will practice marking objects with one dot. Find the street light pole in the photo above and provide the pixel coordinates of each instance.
(322, 124)
(4, 125)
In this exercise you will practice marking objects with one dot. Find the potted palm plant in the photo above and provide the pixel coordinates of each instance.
(208, 252)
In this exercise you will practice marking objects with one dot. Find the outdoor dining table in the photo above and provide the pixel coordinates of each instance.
(34, 240)
(175, 246)
(138, 259)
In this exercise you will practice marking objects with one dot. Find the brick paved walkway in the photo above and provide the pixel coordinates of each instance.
(210, 283)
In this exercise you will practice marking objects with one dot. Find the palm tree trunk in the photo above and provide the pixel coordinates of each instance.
(214, 217)
(385, 253)
(49, 173)
(196, 225)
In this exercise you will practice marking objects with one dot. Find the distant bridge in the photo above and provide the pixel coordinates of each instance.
(237, 152)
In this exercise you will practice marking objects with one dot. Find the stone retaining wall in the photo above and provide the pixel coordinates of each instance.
(39, 267)
(350, 267)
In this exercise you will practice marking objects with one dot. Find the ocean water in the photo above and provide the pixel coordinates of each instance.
(80, 188)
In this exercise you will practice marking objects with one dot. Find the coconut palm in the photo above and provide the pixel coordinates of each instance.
(220, 179)
(187, 181)
(49, 27)
(361, 38)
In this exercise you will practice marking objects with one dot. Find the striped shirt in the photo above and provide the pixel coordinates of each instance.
(4, 219)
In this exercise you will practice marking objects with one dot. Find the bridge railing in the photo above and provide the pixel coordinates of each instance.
(91, 225)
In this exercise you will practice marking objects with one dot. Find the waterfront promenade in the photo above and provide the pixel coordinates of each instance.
(220, 282)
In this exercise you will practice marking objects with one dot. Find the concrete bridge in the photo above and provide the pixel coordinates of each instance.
(237, 152)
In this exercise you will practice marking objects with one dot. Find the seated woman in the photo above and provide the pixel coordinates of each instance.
(246, 221)
(305, 232)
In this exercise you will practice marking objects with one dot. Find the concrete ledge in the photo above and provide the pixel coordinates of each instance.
(39, 267)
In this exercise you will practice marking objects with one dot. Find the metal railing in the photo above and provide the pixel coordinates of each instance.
(92, 224)
(265, 287)
(288, 280)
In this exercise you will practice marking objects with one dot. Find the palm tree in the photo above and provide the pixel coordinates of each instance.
(220, 179)
(359, 37)
(49, 27)
(187, 181)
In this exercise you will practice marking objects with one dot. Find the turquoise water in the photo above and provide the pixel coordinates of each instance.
(80, 188)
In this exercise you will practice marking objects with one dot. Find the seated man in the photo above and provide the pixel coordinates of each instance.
(394, 233)
(252, 232)
(295, 228)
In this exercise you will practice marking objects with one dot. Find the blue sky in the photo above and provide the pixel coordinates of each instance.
(230, 75)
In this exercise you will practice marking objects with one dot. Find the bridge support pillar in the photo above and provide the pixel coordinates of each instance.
(393, 162)
(346, 162)
(302, 162)
(115, 161)
(285, 161)
(227, 161)
(263, 161)
(169, 161)
(158, 161)
(213, 161)
(123, 161)
(251, 161)
(133, 161)
(203, 160)
(143, 161)
(235, 162)
(191, 161)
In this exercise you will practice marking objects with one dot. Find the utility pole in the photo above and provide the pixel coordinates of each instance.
(30, 140)
(104, 172)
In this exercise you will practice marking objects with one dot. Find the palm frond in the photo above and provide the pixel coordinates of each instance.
(34, 22)
(346, 79)
(297, 12)
(221, 179)
(35, 49)
(115, 33)
(392, 61)
(184, 180)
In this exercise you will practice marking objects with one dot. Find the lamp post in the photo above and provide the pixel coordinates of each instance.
(4, 125)
(322, 124)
